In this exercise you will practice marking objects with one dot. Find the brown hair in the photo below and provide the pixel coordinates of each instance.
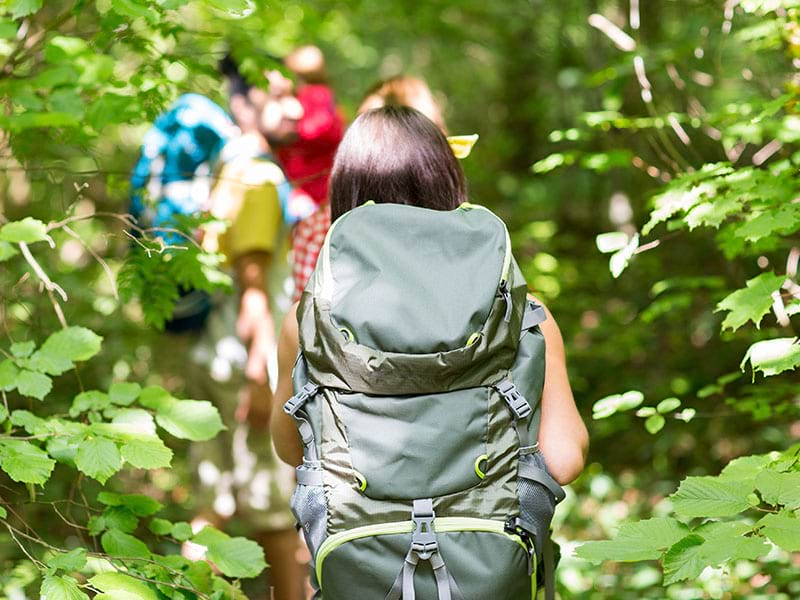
(404, 91)
(395, 154)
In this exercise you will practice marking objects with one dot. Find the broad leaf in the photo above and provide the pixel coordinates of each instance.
(234, 557)
(28, 230)
(61, 588)
(772, 357)
(709, 497)
(73, 343)
(7, 251)
(8, 375)
(99, 458)
(654, 424)
(31, 383)
(25, 462)
(74, 560)
(120, 518)
(683, 560)
(124, 393)
(195, 420)
(779, 488)
(117, 584)
(23, 349)
(23, 8)
(783, 530)
(605, 407)
(121, 544)
(138, 504)
(160, 526)
(146, 453)
(91, 400)
(643, 540)
(752, 302)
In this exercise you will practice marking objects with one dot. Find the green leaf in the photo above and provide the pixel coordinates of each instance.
(713, 213)
(725, 541)
(783, 220)
(683, 560)
(134, 10)
(118, 543)
(668, 405)
(73, 343)
(61, 588)
(8, 375)
(91, 400)
(646, 411)
(654, 423)
(709, 497)
(29, 422)
(783, 530)
(31, 383)
(74, 560)
(745, 469)
(138, 504)
(160, 526)
(3, 513)
(28, 230)
(99, 458)
(120, 518)
(23, 349)
(643, 540)
(7, 251)
(620, 259)
(25, 462)
(181, 531)
(3, 413)
(146, 453)
(124, 393)
(23, 8)
(195, 420)
(779, 488)
(605, 407)
(117, 584)
(49, 363)
(772, 357)
(752, 302)
(612, 241)
(234, 557)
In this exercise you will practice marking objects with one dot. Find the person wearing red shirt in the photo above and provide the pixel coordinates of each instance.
(306, 148)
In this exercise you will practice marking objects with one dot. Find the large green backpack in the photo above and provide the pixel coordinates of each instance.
(417, 391)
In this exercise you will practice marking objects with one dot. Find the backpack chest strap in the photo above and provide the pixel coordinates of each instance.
(520, 412)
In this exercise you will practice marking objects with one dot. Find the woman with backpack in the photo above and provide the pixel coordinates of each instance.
(432, 420)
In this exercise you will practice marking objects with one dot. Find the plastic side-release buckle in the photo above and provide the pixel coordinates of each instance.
(516, 401)
(297, 401)
(423, 538)
(515, 526)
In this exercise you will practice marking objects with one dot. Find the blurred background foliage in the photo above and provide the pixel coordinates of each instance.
(592, 115)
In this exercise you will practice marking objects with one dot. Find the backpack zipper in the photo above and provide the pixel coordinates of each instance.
(442, 525)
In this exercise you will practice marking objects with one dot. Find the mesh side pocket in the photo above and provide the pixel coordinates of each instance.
(537, 503)
(310, 508)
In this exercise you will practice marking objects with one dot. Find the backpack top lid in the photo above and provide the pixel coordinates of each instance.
(407, 300)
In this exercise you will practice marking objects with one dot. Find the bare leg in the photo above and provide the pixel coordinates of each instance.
(286, 574)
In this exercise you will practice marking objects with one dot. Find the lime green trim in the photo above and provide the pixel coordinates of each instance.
(368, 203)
(478, 461)
(474, 338)
(348, 334)
(507, 255)
(441, 525)
(362, 481)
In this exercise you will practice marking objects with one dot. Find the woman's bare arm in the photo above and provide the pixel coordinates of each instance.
(285, 437)
(563, 438)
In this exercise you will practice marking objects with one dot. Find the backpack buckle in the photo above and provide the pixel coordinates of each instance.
(423, 538)
(297, 401)
(516, 401)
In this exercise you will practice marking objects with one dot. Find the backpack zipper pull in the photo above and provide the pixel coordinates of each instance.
(505, 293)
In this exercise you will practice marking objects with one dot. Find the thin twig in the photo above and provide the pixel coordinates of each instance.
(37, 268)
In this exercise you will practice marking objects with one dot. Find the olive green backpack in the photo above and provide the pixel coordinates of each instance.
(417, 391)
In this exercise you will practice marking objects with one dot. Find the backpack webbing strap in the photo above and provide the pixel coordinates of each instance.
(424, 547)
(520, 410)
(549, 570)
(533, 316)
(294, 408)
(534, 473)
